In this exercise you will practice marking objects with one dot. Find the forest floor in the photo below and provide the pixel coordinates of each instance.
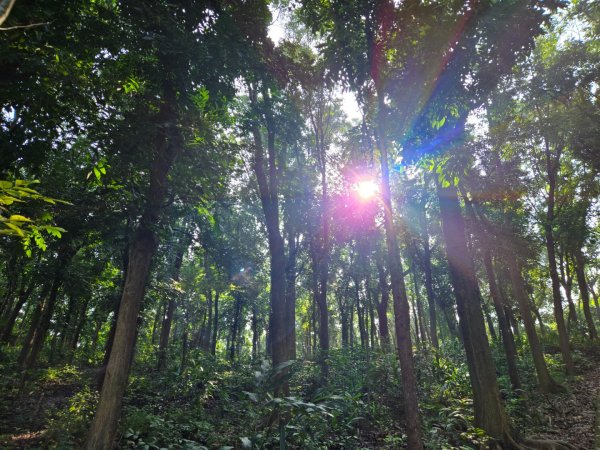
(571, 416)
(26, 413)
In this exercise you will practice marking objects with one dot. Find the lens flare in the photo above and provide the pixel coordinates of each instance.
(366, 189)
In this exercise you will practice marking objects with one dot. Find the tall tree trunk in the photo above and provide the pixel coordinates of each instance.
(504, 280)
(489, 410)
(420, 313)
(371, 312)
(382, 307)
(81, 320)
(44, 322)
(268, 190)
(117, 303)
(488, 319)
(24, 294)
(508, 342)
(595, 296)
(546, 383)
(165, 331)
(360, 314)
(215, 335)
(254, 325)
(566, 279)
(400, 299)
(290, 295)
(429, 284)
(167, 142)
(584, 294)
(563, 337)
(235, 326)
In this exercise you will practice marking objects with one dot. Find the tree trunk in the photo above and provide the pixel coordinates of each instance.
(81, 319)
(563, 337)
(584, 294)
(382, 307)
(290, 293)
(429, 280)
(488, 319)
(206, 330)
(268, 190)
(165, 331)
(508, 342)
(254, 325)
(489, 411)
(595, 296)
(9, 324)
(168, 140)
(420, 313)
(546, 383)
(400, 299)
(44, 322)
(215, 327)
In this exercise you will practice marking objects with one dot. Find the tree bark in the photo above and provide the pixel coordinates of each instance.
(584, 293)
(508, 342)
(290, 294)
(165, 331)
(399, 297)
(215, 335)
(382, 307)
(268, 191)
(563, 337)
(546, 383)
(489, 410)
(44, 322)
(24, 294)
(167, 142)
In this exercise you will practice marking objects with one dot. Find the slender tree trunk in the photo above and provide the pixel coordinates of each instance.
(215, 335)
(360, 315)
(165, 332)
(566, 279)
(268, 190)
(416, 325)
(489, 411)
(503, 279)
(400, 299)
(371, 312)
(235, 326)
(9, 324)
(382, 307)
(81, 319)
(44, 322)
(168, 140)
(254, 333)
(508, 342)
(290, 293)
(546, 383)
(488, 319)
(563, 337)
(429, 280)
(420, 313)
(584, 294)
(596, 300)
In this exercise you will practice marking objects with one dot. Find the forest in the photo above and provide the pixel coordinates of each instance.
(299, 224)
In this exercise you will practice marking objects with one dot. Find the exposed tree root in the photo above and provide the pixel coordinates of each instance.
(509, 442)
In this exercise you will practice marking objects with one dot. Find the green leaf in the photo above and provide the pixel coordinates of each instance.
(18, 218)
(16, 229)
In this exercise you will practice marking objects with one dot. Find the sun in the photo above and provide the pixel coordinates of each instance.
(367, 189)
